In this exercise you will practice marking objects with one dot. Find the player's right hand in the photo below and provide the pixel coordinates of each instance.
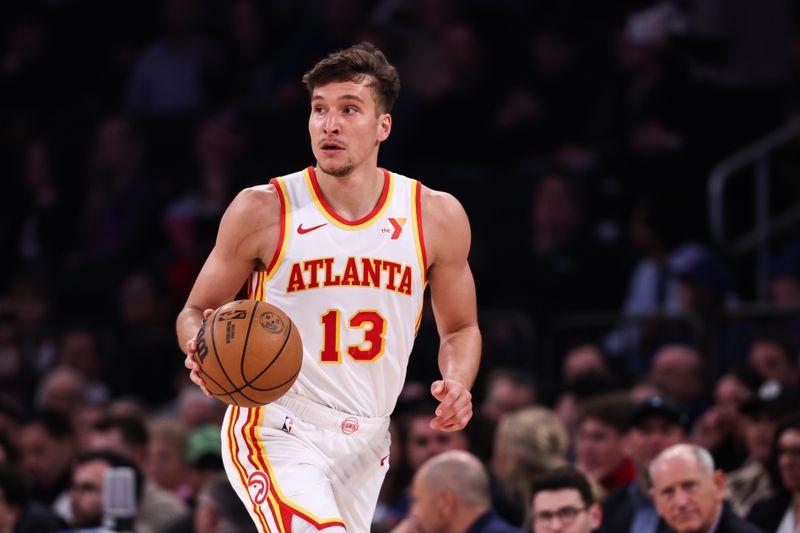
(191, 359)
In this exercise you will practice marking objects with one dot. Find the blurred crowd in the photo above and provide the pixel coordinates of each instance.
(578, 135)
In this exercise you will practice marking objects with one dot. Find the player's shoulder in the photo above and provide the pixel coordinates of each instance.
(254, 207)
(439, 205)
(265, 195)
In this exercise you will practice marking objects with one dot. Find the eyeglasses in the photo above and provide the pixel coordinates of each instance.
(84, 487)
(566, 515)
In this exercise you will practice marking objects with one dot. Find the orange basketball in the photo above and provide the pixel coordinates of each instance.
(250, 353)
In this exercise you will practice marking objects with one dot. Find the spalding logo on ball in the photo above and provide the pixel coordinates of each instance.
(250, 353)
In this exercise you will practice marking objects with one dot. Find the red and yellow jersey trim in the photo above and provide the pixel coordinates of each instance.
(419, 237)
(281, 509)
(257, 288)
(340, 221)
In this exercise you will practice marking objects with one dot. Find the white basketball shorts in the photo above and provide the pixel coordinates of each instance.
(299, 466)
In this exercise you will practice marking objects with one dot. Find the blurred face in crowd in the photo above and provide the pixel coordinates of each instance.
(46, 459)
(426, 506)
(730, 394)
(789, 459)
(556, 214)
(688, 497)
(677, 370)
(583, 360)
(759, 429)
(563, 511)
(166, 463)
(423, 442)
(86, 494)
(770, 361)
(599, 448)
(650, 437)
(504, 396)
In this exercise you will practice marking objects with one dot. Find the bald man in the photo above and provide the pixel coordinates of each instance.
(450, 494)
(689, 492)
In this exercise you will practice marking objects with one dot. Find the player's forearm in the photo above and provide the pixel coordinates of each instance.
(460, 355)
(188, 324)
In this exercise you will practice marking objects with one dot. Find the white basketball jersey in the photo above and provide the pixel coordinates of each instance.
(353, 288)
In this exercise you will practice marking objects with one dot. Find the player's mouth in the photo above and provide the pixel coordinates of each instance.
(331, 147)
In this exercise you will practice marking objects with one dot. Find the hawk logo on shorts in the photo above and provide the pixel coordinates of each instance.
(258, 486)
(272, 323)
(287, 425)
(349, 425)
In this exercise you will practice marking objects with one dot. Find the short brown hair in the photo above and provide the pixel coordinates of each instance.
(358, 63)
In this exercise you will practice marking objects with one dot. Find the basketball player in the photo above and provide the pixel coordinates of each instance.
(346, 248)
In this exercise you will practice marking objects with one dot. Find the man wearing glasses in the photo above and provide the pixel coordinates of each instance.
(563, 503)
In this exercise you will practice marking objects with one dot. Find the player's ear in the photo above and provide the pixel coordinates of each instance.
(384, 126)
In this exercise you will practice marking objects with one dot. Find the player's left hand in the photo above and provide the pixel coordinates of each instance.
(455, 407)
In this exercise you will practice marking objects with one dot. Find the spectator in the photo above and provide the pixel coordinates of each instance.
(18, 514)
(204, 454)
(450, 493)
(751, 482)
(88, 481)
(47, 442)
(528, 443)
(166, 457)
(168, 78)
(145, 343)
(777, 513)
(653, 286)
(689, 493)
(118, 215)
(196, 410)
(582, 360)
(677, 369)
(219, 509)
(655, 424)
(81, 350)
(422, 442)
(720, 428)
(563, 502)
(773, 357)
(600, 451)
(507, 390)
(64, 390)
(127, 436)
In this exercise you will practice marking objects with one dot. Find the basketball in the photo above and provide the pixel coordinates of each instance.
(249, 352)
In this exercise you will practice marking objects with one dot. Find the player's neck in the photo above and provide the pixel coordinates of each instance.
(352, 196)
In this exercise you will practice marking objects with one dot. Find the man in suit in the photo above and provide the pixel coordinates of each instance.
(689, 493)
(450, 494)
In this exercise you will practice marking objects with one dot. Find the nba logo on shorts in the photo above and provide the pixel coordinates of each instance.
(258, 486)
(349, 425)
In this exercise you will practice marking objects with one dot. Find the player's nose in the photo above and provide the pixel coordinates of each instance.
(331, 124)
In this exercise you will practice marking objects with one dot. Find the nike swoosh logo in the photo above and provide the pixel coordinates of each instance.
(302, 231)
(383, 460)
